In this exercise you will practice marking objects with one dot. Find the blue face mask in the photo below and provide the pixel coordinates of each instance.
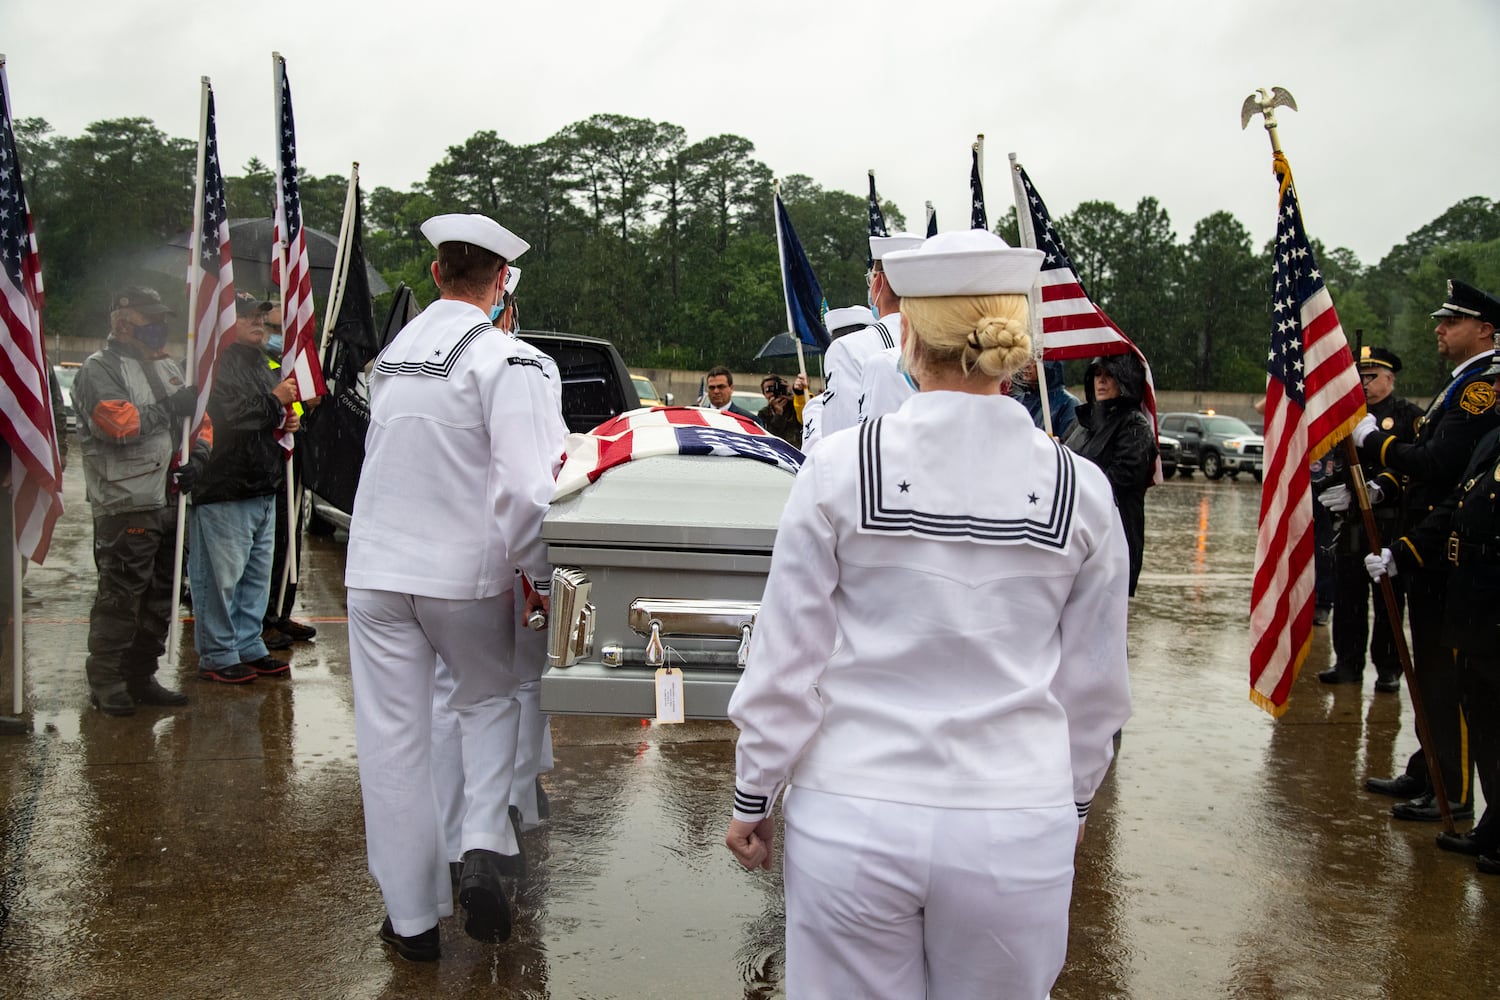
(495, 312)
(274, 344)
(153, 335)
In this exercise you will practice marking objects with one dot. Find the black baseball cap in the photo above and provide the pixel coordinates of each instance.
(147, 301)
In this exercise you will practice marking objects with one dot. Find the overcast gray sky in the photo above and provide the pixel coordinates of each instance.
(1101, 99)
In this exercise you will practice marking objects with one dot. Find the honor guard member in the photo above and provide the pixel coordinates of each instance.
(1378, 368)
(844, 363)
(932, 814)
(1464, 533)
(457, 475)
(1430, 468)
(131, 404)
(534, 739)
(839, 323)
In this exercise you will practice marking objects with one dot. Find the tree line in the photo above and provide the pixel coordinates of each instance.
(667, 246)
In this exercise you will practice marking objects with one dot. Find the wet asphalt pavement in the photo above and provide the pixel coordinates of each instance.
(218, 850)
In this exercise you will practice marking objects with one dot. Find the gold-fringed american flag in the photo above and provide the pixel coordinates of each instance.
(213, 270)
(1313, 399)
(299, 352)
(26, 418)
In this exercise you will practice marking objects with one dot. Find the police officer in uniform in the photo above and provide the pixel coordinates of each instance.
(1429, 469)
(1464, 532)
(942, 760)
(845, 360)
(456, 479)
(1378, 368)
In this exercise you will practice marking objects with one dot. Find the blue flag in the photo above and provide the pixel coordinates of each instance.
(977, 217)
(805, 304)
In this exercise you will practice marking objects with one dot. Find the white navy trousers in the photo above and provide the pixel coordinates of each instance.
(395, 641)
(890, 900)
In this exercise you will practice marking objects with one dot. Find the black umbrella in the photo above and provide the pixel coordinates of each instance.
(784, 345)
(252, 241)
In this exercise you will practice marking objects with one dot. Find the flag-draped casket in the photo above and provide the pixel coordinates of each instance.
(647, 533)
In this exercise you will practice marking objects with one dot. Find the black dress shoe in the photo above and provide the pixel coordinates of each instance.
(150, 692)
(12, 726)
(1402, 786)
(296, 630)
(1337, 675)
(421, 947)
(1388, 685)
(1489, 864)
(486, 911)
(1424, 809)
(113, 701)
(1459, 843)
(275, 639)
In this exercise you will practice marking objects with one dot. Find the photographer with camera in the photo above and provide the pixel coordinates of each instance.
(779, 416)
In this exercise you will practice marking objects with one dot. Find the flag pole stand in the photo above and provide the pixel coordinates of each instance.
(174, 618)
(1265, 104)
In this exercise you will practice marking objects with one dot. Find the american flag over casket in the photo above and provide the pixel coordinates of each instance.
(668, 430)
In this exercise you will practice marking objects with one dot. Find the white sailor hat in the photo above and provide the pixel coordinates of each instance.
(882, 245)
(847, 316)
(479, 230)
(965, 262)
(512, 279)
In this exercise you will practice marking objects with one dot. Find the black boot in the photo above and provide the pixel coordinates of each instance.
(1339, 674)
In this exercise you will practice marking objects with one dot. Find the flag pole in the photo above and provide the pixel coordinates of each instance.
(293, 499)
(1265, 104)
(786, 295)
(195, 285)
(340, 261)
(17, 642)
(1027, 229)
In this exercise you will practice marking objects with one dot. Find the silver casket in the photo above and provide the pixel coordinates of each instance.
(661, 561)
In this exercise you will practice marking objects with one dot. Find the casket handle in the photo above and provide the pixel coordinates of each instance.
(685, 617)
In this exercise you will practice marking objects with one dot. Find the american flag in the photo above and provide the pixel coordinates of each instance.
(977, 217)
(877, 220)
(669, 430)
(1313, 399)
(213, 323)
(26, 420)
(1073, 327)
(299, 352)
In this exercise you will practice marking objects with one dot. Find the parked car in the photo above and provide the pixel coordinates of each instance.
(751, 402)
(1215, 443)
(595, 387)
(646, 390)
(1168, 447)
(66, 372)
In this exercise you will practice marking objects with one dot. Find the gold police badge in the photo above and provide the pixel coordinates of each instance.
(1477, 398)
(1388, 423)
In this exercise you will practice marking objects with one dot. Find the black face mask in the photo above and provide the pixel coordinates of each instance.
(152, 335)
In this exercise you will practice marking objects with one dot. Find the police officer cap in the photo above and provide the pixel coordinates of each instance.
(847, 318)
(246, 304)
(512, 279)
(1466, 300)
(965, 262)
(1379, 356)
(882, 245)
(146, 301)
(478, 230)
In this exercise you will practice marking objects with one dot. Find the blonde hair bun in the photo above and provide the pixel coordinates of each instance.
(1003, 343)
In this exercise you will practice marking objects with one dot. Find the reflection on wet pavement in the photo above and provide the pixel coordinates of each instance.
(218, 850)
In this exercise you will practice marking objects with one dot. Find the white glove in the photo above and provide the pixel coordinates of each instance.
(1363, 429)
(1381, 565)
(1335, 498)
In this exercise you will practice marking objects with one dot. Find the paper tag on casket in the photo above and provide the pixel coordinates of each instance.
(669, 695)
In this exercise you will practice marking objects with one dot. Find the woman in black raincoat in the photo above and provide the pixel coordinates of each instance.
(1116, 435)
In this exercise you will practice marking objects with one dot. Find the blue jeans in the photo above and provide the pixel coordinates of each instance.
(229, 567)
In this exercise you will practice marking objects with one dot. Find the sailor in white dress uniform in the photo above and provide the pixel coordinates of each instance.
(886, 385)
(844, 362)
(939, 761)
(534, 738)
(458, 473)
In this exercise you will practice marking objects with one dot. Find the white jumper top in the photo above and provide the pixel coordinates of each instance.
(844, 366)
(884, 387)
(944, 620)
(459, 462)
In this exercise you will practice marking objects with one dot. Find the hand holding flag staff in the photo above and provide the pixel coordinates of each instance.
(1313, 399)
